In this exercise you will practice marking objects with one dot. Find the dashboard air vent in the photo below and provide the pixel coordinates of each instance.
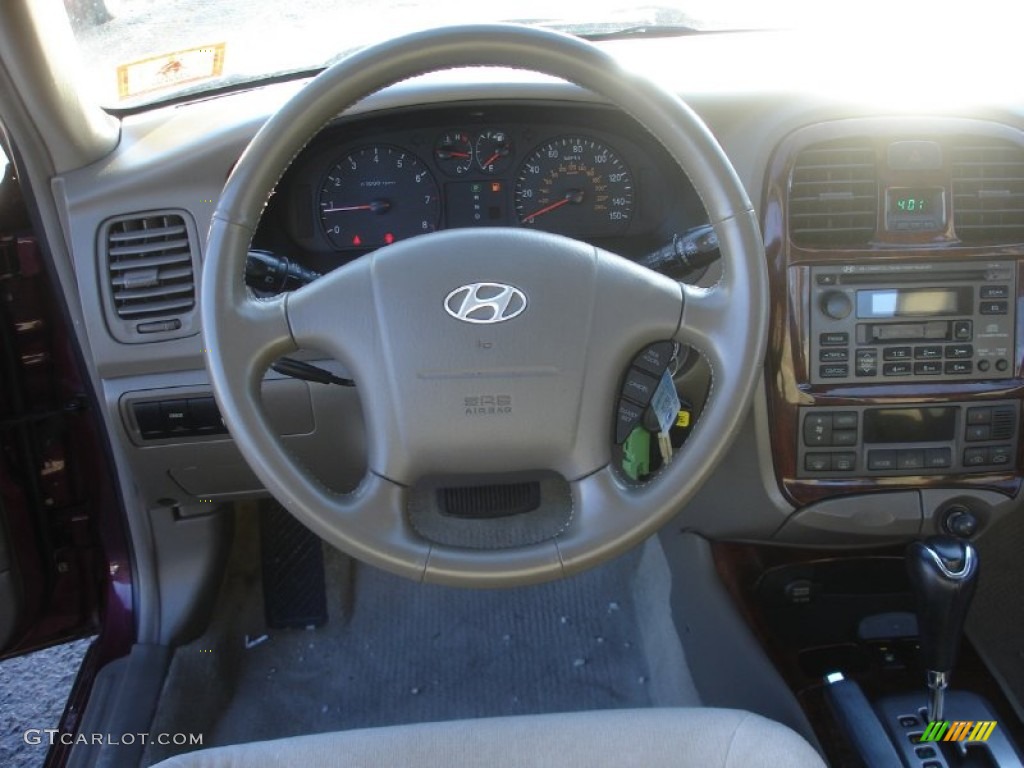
(833, 195)
(988, 191)
(151, 265)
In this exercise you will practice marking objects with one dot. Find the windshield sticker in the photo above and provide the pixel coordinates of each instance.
(170, 70)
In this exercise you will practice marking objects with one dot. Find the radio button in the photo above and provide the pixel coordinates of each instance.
(910, 459)
(866, 362)
(834, 371)
(896, 353)
(984, 365)
(881, 460)
(896, 369)
(844, 462)
(978, 433)
(959, 351)
(827, 279)
(836, 305)
(818, 462)
(976, 457)
(933, 352)
(834, 355)
(844, 420)
(999, 455)
(938, 458)
(929, 368)
(993, 307)
(1002, 365)
(963, 330)
(995, 291)
(834, 339)
(958, 367)
(844, 437)
(979, 415)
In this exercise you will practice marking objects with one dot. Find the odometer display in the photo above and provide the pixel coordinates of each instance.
(376, 195)
(575, 185)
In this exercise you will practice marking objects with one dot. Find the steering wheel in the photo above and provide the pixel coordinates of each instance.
(574, 316)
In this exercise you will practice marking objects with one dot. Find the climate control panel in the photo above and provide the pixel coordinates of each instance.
(899, 440)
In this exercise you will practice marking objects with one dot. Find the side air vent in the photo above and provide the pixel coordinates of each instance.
(833, 195)
(988, 191)
(150, 262)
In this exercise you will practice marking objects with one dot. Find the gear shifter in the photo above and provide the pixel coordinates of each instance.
(943, 573)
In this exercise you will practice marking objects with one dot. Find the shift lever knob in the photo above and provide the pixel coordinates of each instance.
(943, 573)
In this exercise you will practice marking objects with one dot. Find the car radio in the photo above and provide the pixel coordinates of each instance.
(882, 322)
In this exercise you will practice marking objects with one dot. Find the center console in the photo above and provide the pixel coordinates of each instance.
(895, 250)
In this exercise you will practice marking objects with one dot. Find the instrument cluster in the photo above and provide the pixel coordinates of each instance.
(370, 182)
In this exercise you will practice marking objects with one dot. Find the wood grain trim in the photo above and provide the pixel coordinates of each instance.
(787, 379)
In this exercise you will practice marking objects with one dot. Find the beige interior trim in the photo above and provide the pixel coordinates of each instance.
(75, 131)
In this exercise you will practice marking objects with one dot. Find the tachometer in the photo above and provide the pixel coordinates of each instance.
(575, 185)
(376, 195)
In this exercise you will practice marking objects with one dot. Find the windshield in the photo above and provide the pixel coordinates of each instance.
(140, 51)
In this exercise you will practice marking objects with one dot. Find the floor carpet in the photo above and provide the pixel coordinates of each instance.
(396, 652)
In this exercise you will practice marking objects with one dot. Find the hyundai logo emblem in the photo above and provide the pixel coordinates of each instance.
(485, 303)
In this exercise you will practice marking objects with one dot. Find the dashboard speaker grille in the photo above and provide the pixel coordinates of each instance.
(833, 195)
(988, 191)
(151, 262)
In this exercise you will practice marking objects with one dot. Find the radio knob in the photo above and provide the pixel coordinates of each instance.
(836, 305)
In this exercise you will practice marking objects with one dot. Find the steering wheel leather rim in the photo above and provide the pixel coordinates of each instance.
(726, 323)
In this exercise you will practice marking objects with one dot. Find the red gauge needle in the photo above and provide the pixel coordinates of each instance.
(574, 196)
(444, 154)
(492, 158)
(376, 206)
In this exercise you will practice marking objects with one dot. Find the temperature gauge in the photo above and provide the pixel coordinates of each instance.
(454, 153)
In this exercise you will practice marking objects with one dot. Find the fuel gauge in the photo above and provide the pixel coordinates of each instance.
(454, 153)
(493, 151)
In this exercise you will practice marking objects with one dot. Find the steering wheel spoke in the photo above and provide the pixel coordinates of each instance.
(336, 314)
(715, 319)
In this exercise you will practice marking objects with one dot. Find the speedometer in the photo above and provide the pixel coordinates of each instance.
(376, 195)
(575, 185)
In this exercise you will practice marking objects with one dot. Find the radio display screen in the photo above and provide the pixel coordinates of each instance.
(885, 303)
(909, 425)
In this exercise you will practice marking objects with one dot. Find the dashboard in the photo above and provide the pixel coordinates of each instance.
(894, 376)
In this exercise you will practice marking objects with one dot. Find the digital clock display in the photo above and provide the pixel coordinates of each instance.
(915, 209)
(911, 204)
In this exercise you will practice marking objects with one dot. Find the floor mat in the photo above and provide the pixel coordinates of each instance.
(398, 652)
(996, 620)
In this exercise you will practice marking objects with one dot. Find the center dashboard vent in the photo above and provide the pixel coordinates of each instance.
(833, 195)
(988, 191)
(151, 266)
